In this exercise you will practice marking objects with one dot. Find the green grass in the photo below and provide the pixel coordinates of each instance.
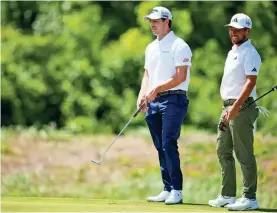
(31, 204)
(13, 204)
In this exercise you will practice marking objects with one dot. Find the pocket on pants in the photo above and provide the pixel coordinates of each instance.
(254, 114)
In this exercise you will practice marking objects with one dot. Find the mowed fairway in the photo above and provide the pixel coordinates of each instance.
(17, 204)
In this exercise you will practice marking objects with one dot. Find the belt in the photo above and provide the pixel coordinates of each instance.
(172, 92)
(230, 102)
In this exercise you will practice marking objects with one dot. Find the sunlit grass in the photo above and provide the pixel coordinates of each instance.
(96, 205)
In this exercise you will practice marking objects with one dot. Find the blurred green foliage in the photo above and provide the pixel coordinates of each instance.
(80, 64)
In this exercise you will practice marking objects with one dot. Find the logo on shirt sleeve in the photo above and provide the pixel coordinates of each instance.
(186, 60)
(254, 70)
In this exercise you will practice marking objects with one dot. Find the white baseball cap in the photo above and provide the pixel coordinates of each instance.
(240, 21)
(159, 12)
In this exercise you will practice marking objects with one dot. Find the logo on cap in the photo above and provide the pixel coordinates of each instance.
(254, 69)
(235, 20)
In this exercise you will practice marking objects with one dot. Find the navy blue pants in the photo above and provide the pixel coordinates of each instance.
(164, 118)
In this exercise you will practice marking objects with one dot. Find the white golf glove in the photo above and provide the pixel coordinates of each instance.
(263, 110)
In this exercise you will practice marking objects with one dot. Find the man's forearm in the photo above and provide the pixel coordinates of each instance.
(246, 91)
(173, 81)
(144, 85)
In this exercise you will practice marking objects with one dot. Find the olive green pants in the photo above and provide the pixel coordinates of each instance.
(238, 137)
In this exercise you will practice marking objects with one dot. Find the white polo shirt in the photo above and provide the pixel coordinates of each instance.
(241, 61)
(162, 57)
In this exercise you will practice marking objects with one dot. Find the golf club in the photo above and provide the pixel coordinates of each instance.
(222, 125)
(102, 156)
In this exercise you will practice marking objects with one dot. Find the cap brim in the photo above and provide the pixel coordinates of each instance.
(235, 25)
(151, 16)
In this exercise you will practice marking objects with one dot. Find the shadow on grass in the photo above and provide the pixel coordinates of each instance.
(266, 210)
(195, 204)
(259, 210)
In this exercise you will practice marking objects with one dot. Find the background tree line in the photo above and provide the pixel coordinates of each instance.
(79, 64)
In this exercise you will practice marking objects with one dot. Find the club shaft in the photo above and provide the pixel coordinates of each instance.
(273, 89)
(116, 138)
(222, 119)
(134, 115)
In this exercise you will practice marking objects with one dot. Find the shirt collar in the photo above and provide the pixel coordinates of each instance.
(166, 38)
(237, 48)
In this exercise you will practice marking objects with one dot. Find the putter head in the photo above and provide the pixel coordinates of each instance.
(96, 161)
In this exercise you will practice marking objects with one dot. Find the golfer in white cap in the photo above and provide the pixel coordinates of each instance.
(238, 87)
(164, 87)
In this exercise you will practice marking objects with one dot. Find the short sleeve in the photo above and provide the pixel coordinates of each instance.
(252, 63)
(182, 55)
